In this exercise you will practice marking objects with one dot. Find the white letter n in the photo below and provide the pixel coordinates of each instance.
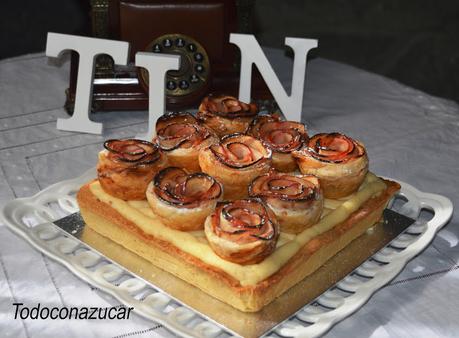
(251, 53)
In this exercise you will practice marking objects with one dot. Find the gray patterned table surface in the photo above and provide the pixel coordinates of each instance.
(409, 135)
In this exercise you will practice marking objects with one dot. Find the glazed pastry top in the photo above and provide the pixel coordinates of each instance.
(240, 151)
(180, 130)
(131, 152)
(280, 136)
(245, 221)
(195, 243)
(176, 187)
(226, 106)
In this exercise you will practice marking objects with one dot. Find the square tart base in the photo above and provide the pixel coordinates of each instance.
(106, 221)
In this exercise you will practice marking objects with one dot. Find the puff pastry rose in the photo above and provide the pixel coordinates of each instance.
(235, 162)
(126, 167)
(296, 200)
(282, 137)
(242, 231)
(339, 162)
(181, 137)
(183, 200)
(226, 115)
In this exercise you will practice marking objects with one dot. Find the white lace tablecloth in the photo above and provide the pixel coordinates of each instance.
(409, 135)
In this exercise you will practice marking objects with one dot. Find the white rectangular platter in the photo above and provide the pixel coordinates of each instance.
(31, 218)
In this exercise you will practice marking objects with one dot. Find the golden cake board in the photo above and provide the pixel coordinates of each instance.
(255, 324)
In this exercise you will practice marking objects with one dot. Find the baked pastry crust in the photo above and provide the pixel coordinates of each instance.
(296, 200)
(181, 137)
(340, 163)
(242, 231)
(282, 137)
(226, 114)
(126, 167)
(235, 162)
(182, 200)
(107, 221)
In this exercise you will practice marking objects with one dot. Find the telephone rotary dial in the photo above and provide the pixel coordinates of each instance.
(192, 79)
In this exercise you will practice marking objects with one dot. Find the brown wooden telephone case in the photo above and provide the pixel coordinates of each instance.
(197, 30)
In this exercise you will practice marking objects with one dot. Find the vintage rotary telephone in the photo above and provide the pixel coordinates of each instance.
(196, 30)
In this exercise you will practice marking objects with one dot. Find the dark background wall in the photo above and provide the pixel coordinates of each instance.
(413, 41)
(24, 24)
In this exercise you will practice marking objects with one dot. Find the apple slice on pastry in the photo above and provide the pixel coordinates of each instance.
(235, 162)
(226, 114)
(183, 200)
(296, 200)
(282, 137)
(181, 137)
(340, 163)
(242, 231)
(126, 167)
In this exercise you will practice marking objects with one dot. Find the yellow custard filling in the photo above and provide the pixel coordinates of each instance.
(195, 243)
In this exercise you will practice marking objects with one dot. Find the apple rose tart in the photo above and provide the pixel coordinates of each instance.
(242, 231)
(296, 200)
(181, 137)
(126, 167)
(183, 200)
(282, 137)
(226, 114)
(235, 162)
(339, 162)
